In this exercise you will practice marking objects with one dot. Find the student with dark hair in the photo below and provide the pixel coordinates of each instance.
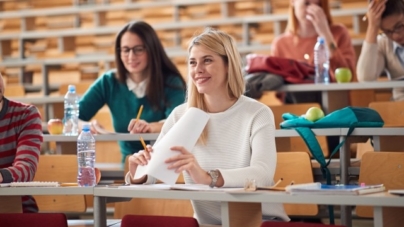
(144, 76)
(384, 51)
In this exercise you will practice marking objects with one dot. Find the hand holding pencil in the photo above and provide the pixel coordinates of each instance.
(137, 125)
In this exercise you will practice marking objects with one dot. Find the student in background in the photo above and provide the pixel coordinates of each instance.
(309, 19)
(384, 51)
(20, 143)
(144, 76)
(239, 140)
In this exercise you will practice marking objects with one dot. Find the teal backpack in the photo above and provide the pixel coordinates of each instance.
(348, 117)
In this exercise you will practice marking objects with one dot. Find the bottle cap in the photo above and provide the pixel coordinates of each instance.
(71, 88)
(320, 40)
(86, 127)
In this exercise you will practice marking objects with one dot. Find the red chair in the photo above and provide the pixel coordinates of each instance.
(33, 219)
(295, 224)
(157, 221)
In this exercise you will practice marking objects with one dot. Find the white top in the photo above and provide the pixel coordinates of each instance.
(376, 57)
(241, 144)
(139, 89)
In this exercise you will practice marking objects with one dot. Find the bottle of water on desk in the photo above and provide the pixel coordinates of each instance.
(71, 112)
(86, 158)
(321, 62)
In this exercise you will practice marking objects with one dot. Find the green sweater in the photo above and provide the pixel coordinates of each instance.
(124, 105)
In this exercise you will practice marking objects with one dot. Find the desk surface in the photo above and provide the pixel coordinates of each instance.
(380, 199)
(278, 133)
(343, 86)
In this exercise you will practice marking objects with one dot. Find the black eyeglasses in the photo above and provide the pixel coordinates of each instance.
(137, 50)
(398, 30)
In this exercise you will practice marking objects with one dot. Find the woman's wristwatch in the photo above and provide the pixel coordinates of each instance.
(214, 174)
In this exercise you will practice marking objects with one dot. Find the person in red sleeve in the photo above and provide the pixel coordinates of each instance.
(20, 142)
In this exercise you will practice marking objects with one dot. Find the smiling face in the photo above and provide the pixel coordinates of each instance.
(208, 71)
(133, 54)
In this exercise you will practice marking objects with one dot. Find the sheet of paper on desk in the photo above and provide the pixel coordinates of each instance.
(101, 130)
(147, 186)
(184, 133)
(202, 187)
(397, 192)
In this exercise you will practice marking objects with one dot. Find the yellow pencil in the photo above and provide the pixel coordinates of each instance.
(139, 113)
(143, 143)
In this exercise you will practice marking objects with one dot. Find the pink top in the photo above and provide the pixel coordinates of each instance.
(291, 46)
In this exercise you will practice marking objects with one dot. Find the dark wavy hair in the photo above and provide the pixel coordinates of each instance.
(159, 66)
(393, 7)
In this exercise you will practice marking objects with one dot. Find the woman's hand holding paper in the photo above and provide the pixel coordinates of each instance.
(141, 158)
(186, 161)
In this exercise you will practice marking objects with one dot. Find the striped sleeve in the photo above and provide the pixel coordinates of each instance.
(22, 143)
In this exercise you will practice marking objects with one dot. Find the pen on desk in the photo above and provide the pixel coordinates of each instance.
(143, 143)
(68, 184)
(139, 113)
(278, 182)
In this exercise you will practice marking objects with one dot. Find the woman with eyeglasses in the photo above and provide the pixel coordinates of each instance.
(384, 51)
(145, 76)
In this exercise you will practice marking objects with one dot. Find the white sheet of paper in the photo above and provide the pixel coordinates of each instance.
(184, 133)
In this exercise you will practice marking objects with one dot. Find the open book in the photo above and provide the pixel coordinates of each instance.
(323, 189)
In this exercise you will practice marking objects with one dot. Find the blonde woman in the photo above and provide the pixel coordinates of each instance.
(239, 139)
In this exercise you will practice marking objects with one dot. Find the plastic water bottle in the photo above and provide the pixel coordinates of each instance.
(71, 113)
(321, 62)
(86, 158)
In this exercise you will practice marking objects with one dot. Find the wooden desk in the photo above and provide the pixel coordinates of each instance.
(379, 200)
(336, 96)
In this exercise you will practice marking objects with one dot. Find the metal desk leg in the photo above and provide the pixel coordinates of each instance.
(225, 214)
(100, 211)
(376, 143)
(344, 154)
(378, 216)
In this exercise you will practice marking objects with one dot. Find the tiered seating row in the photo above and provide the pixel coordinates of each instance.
(87, 51)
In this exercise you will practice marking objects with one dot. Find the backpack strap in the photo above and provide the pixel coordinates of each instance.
(336, 149)
(311, 142)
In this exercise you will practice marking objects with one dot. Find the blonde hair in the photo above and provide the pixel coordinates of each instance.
(293, 24)
(224, 45)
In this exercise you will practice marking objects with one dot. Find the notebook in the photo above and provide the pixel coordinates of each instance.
(323, 189)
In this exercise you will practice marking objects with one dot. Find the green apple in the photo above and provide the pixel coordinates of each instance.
(343, 75)
(314, 113)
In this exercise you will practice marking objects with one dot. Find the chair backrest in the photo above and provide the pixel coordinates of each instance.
(295, 224)
(295, 143)
(296, 167)
(391, 112)
(14, 90)
(158, 221)
(34, 220)
(60, 168)
(393, 116)
(383, 168)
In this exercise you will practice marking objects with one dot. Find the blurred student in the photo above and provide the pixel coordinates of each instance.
(144, 76)
(309, 19)
(20, 143)
(384, 51)
(238, 142)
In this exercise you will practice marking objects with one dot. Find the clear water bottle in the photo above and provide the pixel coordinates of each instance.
(86, 158)
(321, 62)
(71, 113)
